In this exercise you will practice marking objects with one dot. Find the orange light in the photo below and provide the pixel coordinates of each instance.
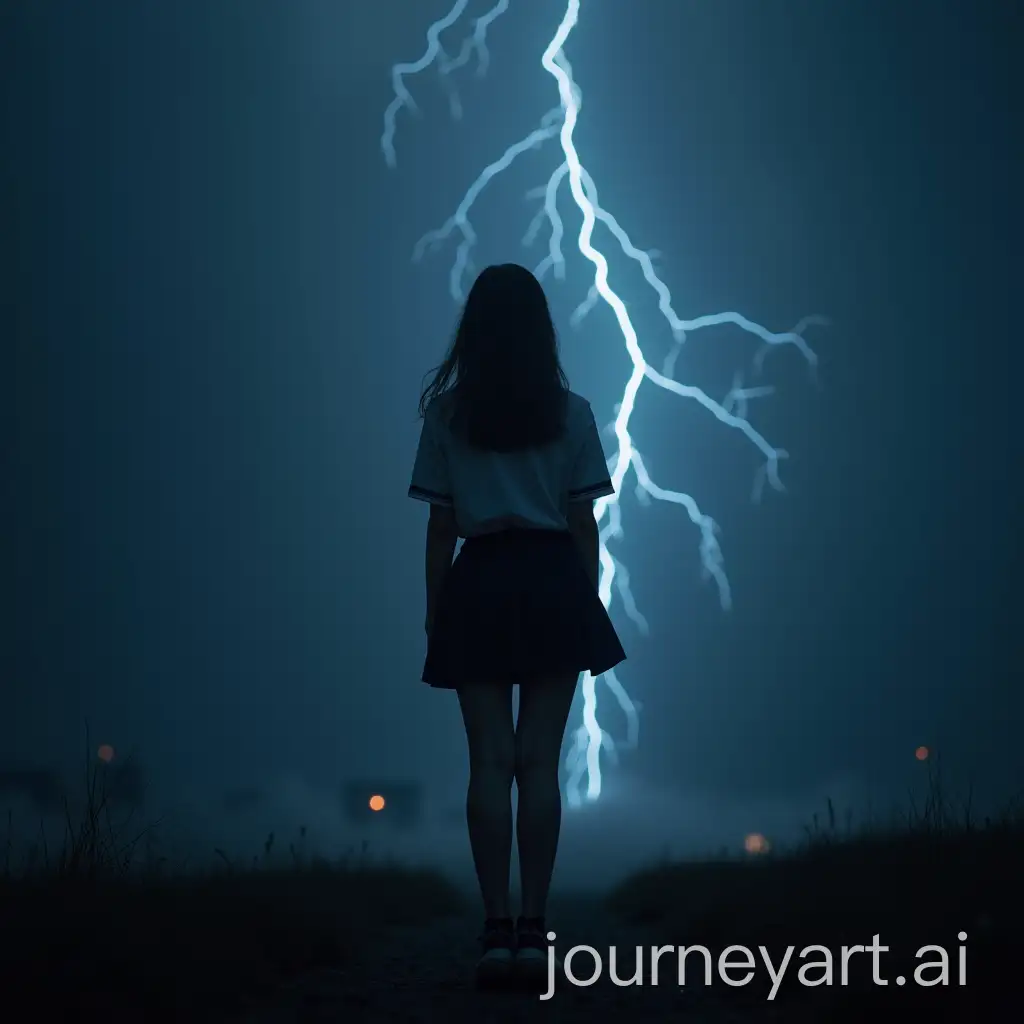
(756, 843)
(105, 753)
(376, 802)
(921, 753)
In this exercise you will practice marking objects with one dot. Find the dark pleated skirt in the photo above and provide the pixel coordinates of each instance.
(517, 607)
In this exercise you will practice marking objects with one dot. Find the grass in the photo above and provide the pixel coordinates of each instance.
(919, 881)
(101, 926)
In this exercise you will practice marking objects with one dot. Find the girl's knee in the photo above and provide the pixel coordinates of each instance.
(496, 766)
(535, 768)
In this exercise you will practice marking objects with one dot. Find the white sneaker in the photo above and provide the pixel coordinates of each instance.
(494, 968)
(531, 961)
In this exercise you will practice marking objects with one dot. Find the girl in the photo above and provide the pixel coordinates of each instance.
(510, 459)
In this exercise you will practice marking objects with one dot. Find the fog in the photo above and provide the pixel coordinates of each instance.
(215, 338)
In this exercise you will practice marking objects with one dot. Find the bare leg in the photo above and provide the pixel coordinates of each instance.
(487, 714)
(543, 712)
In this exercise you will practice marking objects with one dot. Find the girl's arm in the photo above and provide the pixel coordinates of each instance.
(442, 536)
(583, 527)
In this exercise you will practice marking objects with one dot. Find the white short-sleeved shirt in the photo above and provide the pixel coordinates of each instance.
(492, 491)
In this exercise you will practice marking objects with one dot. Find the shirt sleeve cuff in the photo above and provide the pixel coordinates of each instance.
(418, 493)
(600, 489)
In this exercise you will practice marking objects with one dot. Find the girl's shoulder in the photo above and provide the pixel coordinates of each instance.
(439, 410)
(577, 403)
(578, 411)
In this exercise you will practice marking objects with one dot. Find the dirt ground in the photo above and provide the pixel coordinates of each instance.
(426, 974)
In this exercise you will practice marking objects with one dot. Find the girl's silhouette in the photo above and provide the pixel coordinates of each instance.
(510, 459)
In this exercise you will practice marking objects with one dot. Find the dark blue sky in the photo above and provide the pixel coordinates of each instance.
(217, 338)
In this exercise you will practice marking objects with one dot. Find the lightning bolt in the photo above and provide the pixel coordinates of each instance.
(435, 53)
(590, 739)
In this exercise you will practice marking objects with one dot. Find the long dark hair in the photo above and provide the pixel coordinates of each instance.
(502, 381)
